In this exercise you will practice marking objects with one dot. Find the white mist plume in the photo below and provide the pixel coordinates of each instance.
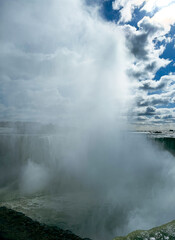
(34, 177)
(115, 182)
(62, 63)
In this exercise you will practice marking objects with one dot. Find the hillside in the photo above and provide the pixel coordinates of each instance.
(16, 226)
(164, 232)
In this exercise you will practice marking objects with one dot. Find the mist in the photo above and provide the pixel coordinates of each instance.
(63, 65)
(100, 185)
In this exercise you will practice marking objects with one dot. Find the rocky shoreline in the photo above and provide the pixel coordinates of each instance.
(16, 226)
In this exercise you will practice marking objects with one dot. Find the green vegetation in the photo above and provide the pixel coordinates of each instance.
(16, 226)
(164, 232)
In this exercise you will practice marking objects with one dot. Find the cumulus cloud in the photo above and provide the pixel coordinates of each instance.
(150, 115)
(140, 41)
(165, 82)
(146, 43)
(148, 111)
(127, 8)
(165, 17)
(143, 50)
(156, 99)
(160, 98)
(160, 6)
(151, 5)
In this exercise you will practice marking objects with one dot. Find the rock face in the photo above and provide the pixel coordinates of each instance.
(17, 226)
(168, 143)
(164, 232)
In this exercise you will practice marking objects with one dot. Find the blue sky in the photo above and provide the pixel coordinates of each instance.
(52, 60)
(163, 110)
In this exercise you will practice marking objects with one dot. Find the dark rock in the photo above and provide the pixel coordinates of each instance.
(157, 132)
(17, 226)
(166, 143)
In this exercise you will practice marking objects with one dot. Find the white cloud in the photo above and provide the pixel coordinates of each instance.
(157, 99)
(165, 17)
(144, 54)
(151, 5)
(151, 115)
(146, 44)
(161, 7)
(166, 82)
(127, 8)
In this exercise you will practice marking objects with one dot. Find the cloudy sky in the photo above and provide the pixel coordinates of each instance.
(149, 30)
(63, 59)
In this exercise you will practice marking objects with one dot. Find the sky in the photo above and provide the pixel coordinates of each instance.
(149, 29)
(69, 60)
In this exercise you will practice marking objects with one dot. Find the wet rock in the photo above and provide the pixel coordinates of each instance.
(164, 232)
(17, 226)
